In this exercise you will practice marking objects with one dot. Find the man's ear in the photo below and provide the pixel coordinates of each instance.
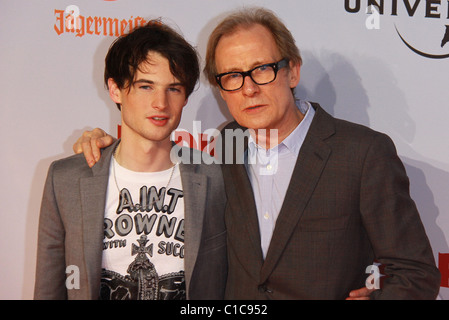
(295, 74)
(114, 91)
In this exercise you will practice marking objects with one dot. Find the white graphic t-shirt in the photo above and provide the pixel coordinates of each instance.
(143, 244)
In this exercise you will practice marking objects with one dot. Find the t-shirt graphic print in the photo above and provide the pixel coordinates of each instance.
(143, 245)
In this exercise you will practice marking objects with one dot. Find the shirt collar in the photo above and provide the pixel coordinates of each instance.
(294, 140)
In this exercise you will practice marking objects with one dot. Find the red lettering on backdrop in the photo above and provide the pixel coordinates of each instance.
(185, 138)
(80, 25)
(443, 265)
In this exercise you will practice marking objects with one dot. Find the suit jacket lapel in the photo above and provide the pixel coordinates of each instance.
(239, 189)
(194, 191)
(93, 199)
(310, 164)
(245, 196)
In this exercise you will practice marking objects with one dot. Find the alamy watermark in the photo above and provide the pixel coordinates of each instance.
(226, 147)
(373, 280)
(373, 20)
(73, 277)
(72, 20)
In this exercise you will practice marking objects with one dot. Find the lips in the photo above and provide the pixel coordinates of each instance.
(158, 120)
(253, 108)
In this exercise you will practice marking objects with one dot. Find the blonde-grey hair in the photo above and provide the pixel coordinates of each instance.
(245, 18)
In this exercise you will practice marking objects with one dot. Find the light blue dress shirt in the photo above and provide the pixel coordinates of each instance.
(270, 171)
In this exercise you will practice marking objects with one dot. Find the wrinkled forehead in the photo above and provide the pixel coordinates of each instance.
(246, 48)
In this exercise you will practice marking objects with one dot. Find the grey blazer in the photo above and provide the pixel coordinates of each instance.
(72, 220)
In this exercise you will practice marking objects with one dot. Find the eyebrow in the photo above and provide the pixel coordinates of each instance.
(256, 64)
(173, 84)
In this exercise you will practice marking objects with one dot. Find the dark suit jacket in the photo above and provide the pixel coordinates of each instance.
(72, 219)
(347, 205)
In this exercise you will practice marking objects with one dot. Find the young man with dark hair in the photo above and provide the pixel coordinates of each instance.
(136, 225)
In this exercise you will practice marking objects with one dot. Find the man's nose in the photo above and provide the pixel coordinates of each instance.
(249, 86)
(160, 100)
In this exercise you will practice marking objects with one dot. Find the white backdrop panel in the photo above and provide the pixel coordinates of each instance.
(51, 91)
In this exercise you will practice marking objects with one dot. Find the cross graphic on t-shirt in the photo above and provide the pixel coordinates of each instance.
(141, 250)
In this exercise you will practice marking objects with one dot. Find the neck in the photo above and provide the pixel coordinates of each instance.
(145, 156)
(270, 137)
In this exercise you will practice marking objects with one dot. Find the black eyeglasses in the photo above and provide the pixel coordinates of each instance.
(264, 74)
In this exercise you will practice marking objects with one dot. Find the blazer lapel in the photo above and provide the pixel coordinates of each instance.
(93, 198)
(310, 164)
(194, 191)
(244, 192)
(241, 214)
